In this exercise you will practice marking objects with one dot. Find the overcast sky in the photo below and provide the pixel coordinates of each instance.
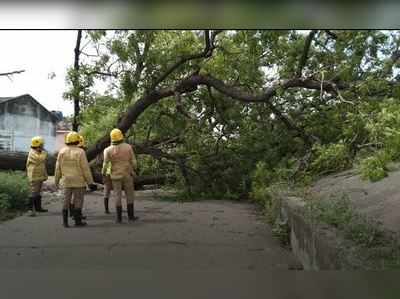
(39, 53)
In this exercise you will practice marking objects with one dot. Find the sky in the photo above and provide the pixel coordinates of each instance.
(39, 53)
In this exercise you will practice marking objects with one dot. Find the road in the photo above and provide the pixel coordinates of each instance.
(188, 250)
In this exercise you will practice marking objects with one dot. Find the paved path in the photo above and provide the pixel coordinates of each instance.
(169, 235)
(208, 249)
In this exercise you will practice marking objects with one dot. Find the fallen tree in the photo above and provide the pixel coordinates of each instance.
(17, 160)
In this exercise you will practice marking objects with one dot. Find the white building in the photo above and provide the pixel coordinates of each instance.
(23, 117)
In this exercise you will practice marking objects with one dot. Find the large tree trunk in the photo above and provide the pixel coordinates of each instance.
(139, 181)
(17, 161)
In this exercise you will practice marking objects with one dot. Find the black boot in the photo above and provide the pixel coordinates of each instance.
(32, 206)
(71, 210)
(107, 211)
(131, 213)
(80, 214)
(65, 217)
(78, 219)
(39, 204)
(119, 214)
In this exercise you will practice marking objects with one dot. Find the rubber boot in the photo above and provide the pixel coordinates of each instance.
(32, 208)
(71, 210)
(78, 219)
(39, 204)
(131, 213)
(119, 214)
(65, 217)
(107, 211)
(80, 214)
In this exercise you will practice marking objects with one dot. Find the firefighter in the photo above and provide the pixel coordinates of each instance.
(81, 145)
(107, 186)
(107, 192)
(73, 172)
(120, 162)
(37, 173)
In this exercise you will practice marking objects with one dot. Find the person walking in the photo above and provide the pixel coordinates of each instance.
(37, 173)
(120, 163)
(82, 145)
(73, 172)
(107, 192)
(107, 185)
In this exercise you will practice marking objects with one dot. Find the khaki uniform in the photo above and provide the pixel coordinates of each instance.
(107, 186)
(119, 163)
(73, 172)
(36, 170)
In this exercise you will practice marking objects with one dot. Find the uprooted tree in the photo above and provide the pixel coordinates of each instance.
(209, 106)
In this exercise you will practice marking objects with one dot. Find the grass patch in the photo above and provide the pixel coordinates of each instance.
(379, 248)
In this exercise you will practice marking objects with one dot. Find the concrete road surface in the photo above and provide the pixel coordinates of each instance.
(207, 249)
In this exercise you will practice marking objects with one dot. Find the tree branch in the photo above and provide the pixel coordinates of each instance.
(12, 73)
(75, 81)
(331, 34)
(304, 56)
(207, 52)
(191, 83)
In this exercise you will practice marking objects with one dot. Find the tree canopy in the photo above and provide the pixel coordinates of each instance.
(214, 107)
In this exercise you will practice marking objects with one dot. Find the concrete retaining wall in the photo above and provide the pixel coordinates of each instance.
(317, 247)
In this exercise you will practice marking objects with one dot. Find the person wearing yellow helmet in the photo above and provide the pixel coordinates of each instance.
(37, 173)
(73, 172)
(107, 186)
(107, 191)
(120, 164)
(81, 145)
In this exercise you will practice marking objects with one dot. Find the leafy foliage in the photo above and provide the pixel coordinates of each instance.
(374, 167)
(223, 141)
(14, 191)
(330, 158)
(265, 192)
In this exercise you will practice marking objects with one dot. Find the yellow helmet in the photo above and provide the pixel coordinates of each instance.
(116, 135)
(72, 137)
(37, 141)
(81, 141)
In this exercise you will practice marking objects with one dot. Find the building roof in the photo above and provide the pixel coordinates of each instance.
(6, 99)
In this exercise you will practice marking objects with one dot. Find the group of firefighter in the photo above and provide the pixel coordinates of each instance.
(73, 175)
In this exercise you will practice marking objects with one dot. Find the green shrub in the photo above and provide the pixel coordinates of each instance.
(261, 179)
(339, 213)
(330, 158)
(4, 202)
(265, 191)
(384, 127)
(374, 168)
(14, 190)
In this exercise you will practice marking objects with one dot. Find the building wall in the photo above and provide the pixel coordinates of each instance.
(60, 139)
(23, 119)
